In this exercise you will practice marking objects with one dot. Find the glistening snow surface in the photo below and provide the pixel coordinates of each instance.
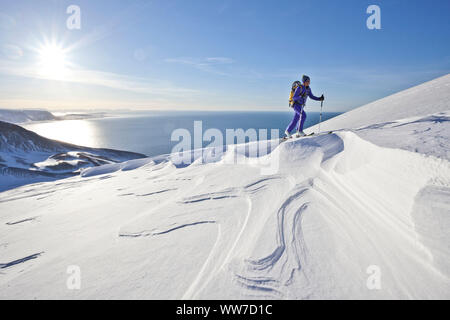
(372, 196)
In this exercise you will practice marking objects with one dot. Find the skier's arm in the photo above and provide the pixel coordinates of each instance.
(313, 96)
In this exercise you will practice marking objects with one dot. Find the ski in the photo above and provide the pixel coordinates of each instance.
(318, 134)
(305, 136)
(285, 139)
(312, 134)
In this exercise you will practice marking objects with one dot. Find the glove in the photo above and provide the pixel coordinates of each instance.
(322, 98)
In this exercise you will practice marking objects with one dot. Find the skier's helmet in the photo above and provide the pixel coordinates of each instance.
(305, 78)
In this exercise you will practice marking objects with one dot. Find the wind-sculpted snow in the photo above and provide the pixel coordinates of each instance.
(361, 213)
(19, 261)
(427, 135)
(428, 98)
(219, 230)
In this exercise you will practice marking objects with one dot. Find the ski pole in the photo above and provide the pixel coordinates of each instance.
(320, 120)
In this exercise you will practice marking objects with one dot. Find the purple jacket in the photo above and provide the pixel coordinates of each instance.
(301, 95)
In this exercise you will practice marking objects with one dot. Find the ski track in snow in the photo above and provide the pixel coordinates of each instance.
(19, 261)
(21, 221)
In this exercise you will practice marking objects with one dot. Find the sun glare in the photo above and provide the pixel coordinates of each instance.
(52, 62)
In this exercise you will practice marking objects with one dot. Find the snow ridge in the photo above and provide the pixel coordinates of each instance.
(22, 116)
(26, 157)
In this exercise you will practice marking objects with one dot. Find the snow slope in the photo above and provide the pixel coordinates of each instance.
(338, 207)
(428, 98)
(26, 157)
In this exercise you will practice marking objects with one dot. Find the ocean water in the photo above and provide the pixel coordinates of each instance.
(150, 132)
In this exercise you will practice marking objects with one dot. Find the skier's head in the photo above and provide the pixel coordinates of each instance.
(306, 80)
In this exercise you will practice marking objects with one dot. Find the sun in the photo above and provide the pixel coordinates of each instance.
(53, 62)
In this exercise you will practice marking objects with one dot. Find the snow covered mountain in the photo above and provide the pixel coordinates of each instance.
(360, 213)
(22, 116)
(26, 157)
(415, 119)
(428, 98)
(25, 116)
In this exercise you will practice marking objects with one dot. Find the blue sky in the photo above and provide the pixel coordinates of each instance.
(218, 54)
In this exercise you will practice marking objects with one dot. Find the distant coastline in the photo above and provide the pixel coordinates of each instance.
(39, 115)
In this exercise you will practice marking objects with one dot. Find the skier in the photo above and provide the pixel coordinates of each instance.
(298, 101)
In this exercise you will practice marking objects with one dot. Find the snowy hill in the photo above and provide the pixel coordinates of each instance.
(26, 157)
(22, 116)
(428, 98)
(416, 120)
(339, 212)
(25, 116)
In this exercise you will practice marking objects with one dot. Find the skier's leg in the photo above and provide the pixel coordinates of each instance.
(301, 116)
(294, 122)
(302, 122)
(300, 132)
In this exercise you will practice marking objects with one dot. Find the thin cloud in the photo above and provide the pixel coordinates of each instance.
(100, 78)
(219, 60)
(209, 64)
